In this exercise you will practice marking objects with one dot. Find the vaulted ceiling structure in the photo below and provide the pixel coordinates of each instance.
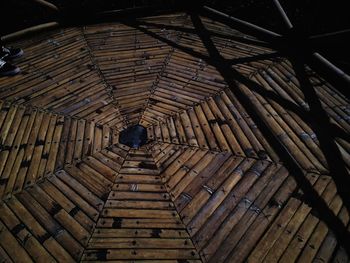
(238, 164)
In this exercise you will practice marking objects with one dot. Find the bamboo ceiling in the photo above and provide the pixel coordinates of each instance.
(240, 164)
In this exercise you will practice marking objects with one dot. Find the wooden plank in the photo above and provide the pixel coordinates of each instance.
(48, 143)
(63, 143)
(50, 165)
(190, 135)
(138, 233)
(71, 141)
(97, 146)
(143, 254)
(120, 243)
(78, 149)
(89, 138)
(10, 244)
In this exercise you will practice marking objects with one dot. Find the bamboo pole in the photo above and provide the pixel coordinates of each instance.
(318, 58)
(242, 24)
(331, 67)
(47, 4)
(283, 14)
(329, 36)
(29, 30)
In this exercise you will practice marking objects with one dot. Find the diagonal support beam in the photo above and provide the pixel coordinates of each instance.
(241, 24)
(330, 67)
(283, 14)
(316, 202)
(317, 60)
(47, 4)
(29, 31)
(330, 38)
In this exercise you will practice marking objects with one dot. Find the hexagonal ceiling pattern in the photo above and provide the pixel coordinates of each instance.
(237, 167)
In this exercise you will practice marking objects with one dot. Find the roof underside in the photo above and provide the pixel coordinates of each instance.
(247, 153)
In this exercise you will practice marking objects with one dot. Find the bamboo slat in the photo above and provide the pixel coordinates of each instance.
(228, 131)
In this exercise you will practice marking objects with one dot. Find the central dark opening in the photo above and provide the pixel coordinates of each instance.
(134, 136)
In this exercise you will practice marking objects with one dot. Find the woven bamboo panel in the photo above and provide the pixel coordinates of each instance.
(139, 221)
(36, 142)
(238, 209)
